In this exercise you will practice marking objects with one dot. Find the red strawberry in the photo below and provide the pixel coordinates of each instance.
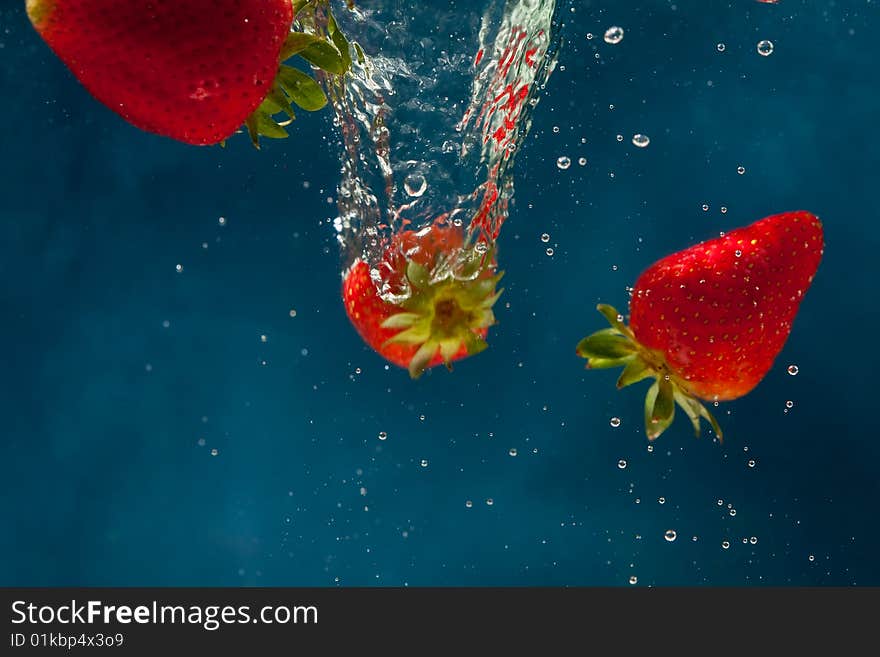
(708, 322)
(447, 294)
(192, 70)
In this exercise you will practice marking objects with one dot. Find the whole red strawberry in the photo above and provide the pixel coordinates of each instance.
(708, 322)
(447, 296)
(192, 70)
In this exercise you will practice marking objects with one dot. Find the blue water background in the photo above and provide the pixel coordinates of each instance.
(114, 365)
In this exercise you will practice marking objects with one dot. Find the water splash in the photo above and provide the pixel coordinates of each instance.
(431, 117)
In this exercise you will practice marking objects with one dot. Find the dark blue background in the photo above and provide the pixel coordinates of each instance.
(103, 480)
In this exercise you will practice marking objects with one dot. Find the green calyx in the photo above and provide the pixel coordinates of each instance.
(444, 315)
(323, 46)
(617, 347)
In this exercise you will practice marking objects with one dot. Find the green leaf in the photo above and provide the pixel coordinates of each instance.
(339, 40)
(298, 5)
(606, 343)
(610, 313)
(606, 363)
(276, 102)
(712, 421)
(302, 89)
(659, 408)
(251, 125)
(295, 43)
(325, 56)
(691, 406)
(266, 127)
(359, 52)
(636, 370)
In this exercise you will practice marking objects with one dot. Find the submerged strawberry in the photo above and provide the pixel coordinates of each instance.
(192, 70)
(447, 291)
(708, 322)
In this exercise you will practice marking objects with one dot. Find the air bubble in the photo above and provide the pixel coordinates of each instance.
(720, 47)
(545, 237)
(765, 48)
(633, 579)
(621, 464)
(489, 501)
(614, 422)
(789, 404)
(614, 35)
(582, 161)
(415, 184)
(549, 251)
(751, 463)
(753, 540)
(512, 451)
(424, 463)
(661, 500)
(214, 451)
(705, 207)
(670, 535)
(793, 370)
(383, 435)
(725, 544)
(468, 504)
(740, 170)
(563, 162)
(641, 140)
(221, 221)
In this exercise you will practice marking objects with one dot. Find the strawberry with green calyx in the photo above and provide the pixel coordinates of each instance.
(196, 70)
(707, 323)
(446, 309)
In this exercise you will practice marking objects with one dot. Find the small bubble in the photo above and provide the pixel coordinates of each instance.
(765, 48)
(178, 268)
(751, 463)
(489, 501)
(619, 137)
(720, 47)
(383, 435)
(556, 129)
(589, 36)
(732, 512)
(705, 207)
(582, 161)
(670, 535)
(720, 502)
(621, 464)
(221, 221)
(563, 162)
(723, 210)
(753, 540)
(725, 544)
(292, 312)
(201, 442)
(214, 451)
(550, 251)
(614, 422)
(650, 448)
(415, 184)
(545, 238)
(789, 404)
(661, 500)
(468, 504)
(641, 140)
(738, 253)
(740, 170)
(512, 451)
(481, 247)
(812, 557)
(633, 579)
(264, 338)
(424, 463)
(793, 370)
(614, 35)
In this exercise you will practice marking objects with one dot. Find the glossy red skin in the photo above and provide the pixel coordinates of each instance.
(191, 70)
(721, 319)
(367, 310)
